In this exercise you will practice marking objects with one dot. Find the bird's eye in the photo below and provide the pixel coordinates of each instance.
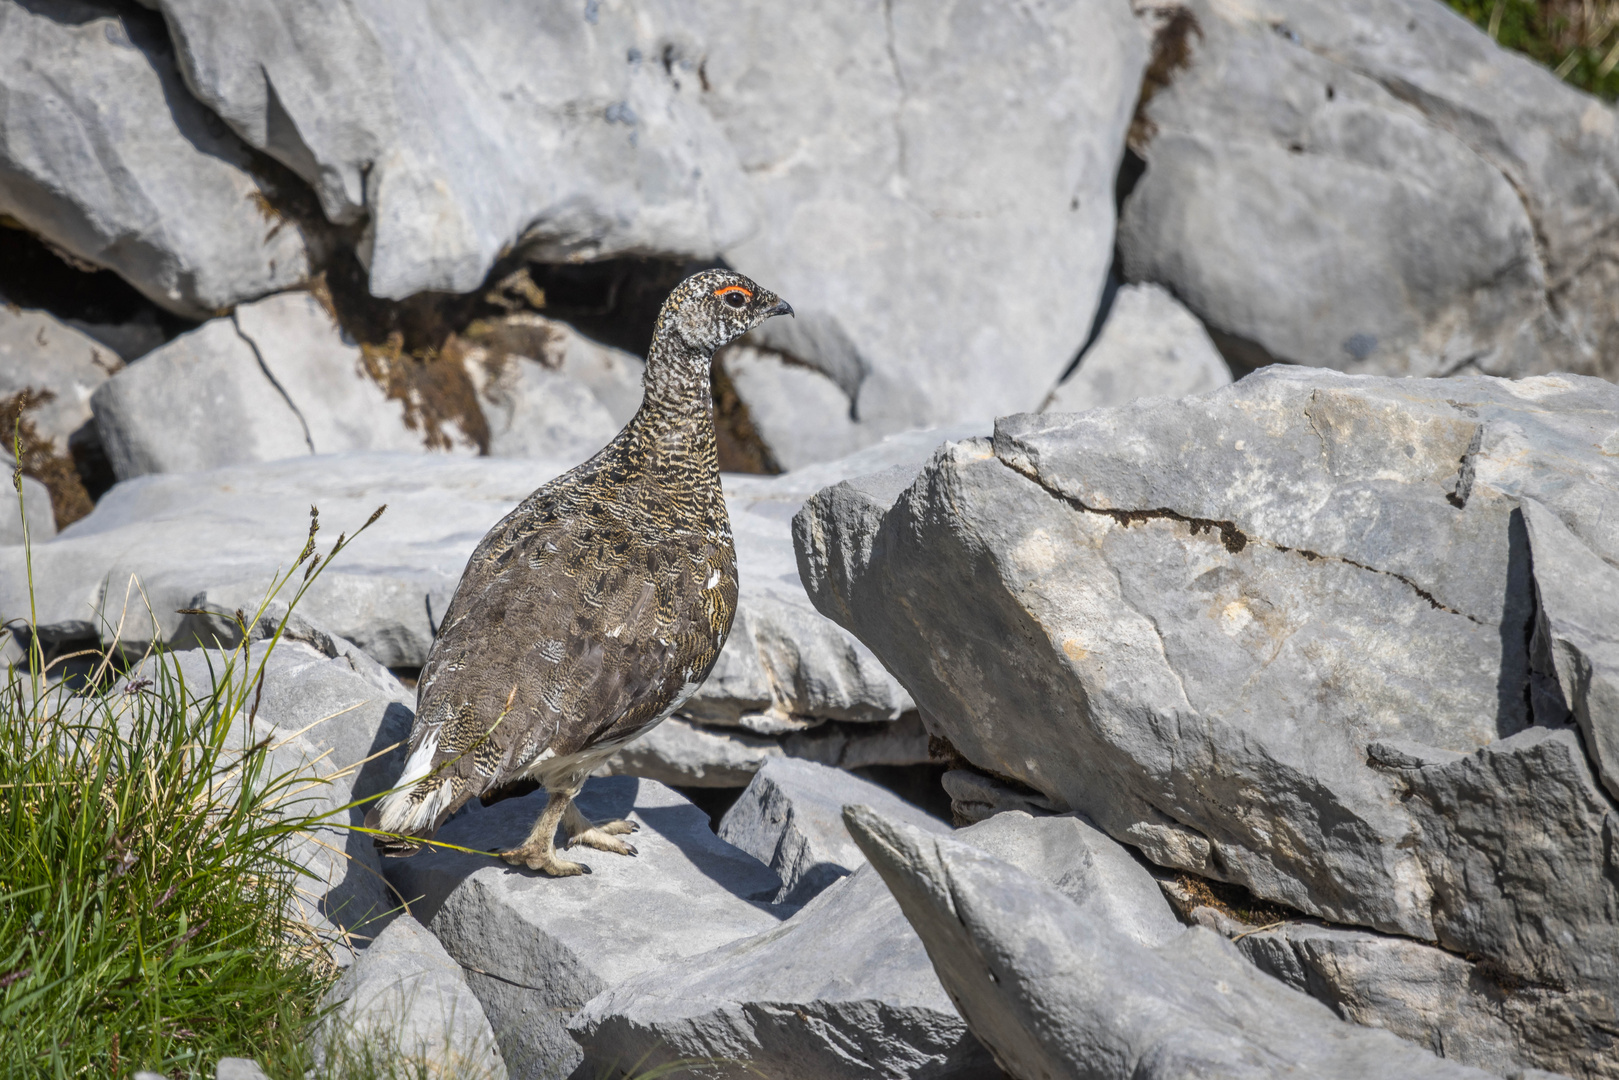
(735, 299)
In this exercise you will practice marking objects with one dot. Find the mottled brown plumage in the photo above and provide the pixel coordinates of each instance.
(594, 609)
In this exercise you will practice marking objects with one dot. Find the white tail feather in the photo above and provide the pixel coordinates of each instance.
(395, 811)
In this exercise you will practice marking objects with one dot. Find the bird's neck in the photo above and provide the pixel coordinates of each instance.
(677, 378)
(676, 420)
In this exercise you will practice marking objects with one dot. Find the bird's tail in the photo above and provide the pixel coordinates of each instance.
(413, 811)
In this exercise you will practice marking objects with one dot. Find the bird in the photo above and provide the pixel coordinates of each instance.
(592, 611)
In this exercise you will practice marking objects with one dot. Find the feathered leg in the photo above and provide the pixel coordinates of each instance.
(539, 851)
(600, 837)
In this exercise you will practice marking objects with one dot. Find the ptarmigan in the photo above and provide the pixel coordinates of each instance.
(593, 610)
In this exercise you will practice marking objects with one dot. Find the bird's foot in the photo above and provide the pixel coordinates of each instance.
(543, 857)
(602, 838)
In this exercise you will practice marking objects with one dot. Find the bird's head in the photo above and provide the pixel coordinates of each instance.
(715, 307)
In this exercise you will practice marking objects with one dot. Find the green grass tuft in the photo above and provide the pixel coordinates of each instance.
(1577, 39)
(147, 915)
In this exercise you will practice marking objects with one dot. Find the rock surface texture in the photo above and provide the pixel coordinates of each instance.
(457, 132)
(105, 153)
(1577, 630)
(844, 988)
(405, 996)
(59, 366)
(1053, 990)
(1150, 346)
(1277, 635)
(535, 949)
(1405, 196)
(896, 152)
(274, 380)
(791, 819)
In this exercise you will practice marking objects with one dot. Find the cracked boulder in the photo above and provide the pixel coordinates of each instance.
(965, 154)
(1408, 198)
(1052, 989)
(1458, 1008)
(535, 948)
(844, 988)
(1150, 346)
(455, 133)
(105, 153)
(1277, 635)
(274, 380)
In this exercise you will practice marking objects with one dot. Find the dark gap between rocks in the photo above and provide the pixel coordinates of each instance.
(1188, 892)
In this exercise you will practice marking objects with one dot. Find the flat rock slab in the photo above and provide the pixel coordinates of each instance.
(791, 818)
(844, 989)
(535, 949)
(405, 998)
(1053, 990)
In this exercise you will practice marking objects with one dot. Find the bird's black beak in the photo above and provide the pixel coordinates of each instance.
(780, 307)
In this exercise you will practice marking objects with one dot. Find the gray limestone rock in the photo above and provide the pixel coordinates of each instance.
(1455, 1007)
(459, 132)
(935, 188)
(1405, 196)
(1577, 630)
(39, 354)
(535, 949)
(236, 1068)
(104, 153)
(1150, 346)
(1278, 635)
(974, 797)
(536, 413)
(791, 818)
(1056, 989)
(201, 401)
(799, 413)
(687, 754)
(844, 988)
(35, 508)
(404, 998)
(276, 379)
(318, 370)
(545, 391)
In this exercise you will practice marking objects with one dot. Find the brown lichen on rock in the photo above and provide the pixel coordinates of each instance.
(1171, 52)
(40, 458)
